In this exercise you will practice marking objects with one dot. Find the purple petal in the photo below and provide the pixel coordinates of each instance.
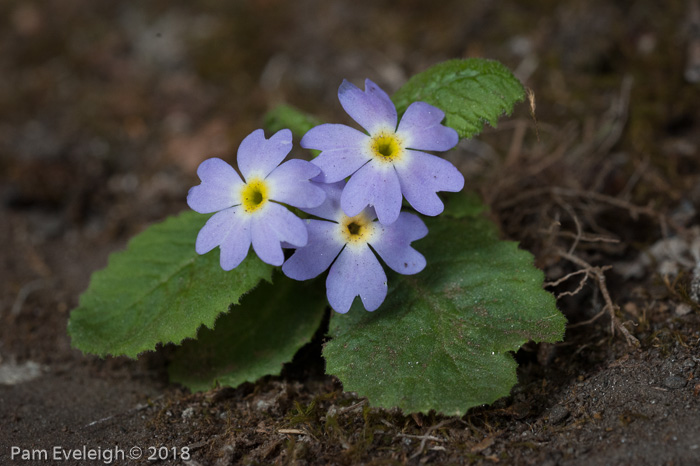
(217, 228)
(375, 185)
(265, 244)
(289, 183)
(393, 244)
(235, 249)
(371, 108)
(421, 129)
(422, 175)
(323, 247)
(342, 150)
(229, 229)
(356, 272)
(338, 164)
(332, 136)
(273, 226)
(218, 190)
(330, 208)
(258, 156)
(289, 228)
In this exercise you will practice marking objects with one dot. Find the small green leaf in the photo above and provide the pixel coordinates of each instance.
(159, 290)
(286, 116)
(470, 92)
(442, 339)
(254, 339)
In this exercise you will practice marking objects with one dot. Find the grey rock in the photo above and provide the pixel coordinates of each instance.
(674, 382)
(558, 414)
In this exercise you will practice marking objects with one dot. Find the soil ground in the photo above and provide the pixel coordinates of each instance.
(107, 108)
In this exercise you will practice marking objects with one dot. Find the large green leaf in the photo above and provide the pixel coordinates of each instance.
(470, 92)
(159, 290)
(442, 339)
(255, 338)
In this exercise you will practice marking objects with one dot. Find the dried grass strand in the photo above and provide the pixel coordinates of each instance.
(598, 274)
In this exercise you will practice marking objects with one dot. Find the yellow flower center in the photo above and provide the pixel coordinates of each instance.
(386, 147)
(254, 195)
(357, 229)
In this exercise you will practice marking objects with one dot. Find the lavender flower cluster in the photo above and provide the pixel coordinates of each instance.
(351, 222)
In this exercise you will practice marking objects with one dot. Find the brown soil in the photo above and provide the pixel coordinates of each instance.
(107, 108)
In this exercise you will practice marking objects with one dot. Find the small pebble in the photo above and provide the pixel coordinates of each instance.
(13, 374)
(674, 382)
(263, 405)
(558, 414)
(683, 309)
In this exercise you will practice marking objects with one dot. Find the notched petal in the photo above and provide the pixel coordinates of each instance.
(219, 187)
(371, 108)
(422, 176)
(373, 186)
(393, 244)
(258, 156)
(357, 271)
(332, 136)
(289, 184)
(421, 128)
(314, 258)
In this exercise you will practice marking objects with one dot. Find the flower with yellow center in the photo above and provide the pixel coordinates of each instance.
(356, 230)
(387, 163)
(254, 195)
(249, 211)
(349, 246)
(386, 147)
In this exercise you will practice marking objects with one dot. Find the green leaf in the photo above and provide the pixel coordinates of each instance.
(471, 92)
(254, 339)
(286, 116)
(159, 290)
(463, 204)
(442, 339)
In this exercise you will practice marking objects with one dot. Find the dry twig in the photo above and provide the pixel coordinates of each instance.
(425, 437)
(598, 274)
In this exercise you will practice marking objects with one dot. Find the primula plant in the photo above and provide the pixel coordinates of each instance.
(442, 301)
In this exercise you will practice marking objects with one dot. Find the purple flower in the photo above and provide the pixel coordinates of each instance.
(388, 162)
(343, 244)
(248, 211)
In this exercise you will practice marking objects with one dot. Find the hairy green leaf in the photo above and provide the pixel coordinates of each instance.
(254, 339)
(442, 339)
(463, 204)
(471, 92)
(159, 290)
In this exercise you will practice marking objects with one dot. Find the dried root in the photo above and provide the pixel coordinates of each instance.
(553, 195)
